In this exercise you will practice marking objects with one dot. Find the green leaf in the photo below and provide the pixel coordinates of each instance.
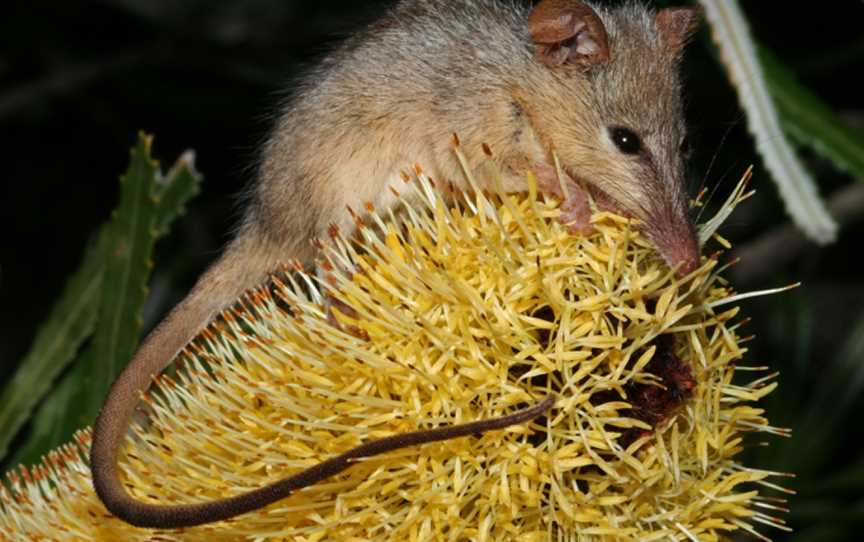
(73, 402)
(181, 184)
(48, 428)
(124, 283)
(58, 416)
(785, 335)
(71, 321)
(810, 121)
(828, 412)
(831, 404)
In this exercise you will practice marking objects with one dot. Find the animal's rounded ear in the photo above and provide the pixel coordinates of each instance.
(676, 27)
(568, 33)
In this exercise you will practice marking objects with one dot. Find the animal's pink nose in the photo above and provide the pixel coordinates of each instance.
(684, 254)
(688, 265)
(679, 247)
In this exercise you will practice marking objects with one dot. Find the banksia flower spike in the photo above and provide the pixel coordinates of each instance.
(443, 314)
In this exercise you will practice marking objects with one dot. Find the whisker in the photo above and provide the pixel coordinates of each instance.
(716, 154)
(720, 181)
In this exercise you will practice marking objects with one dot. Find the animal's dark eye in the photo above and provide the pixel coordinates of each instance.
(626, 140)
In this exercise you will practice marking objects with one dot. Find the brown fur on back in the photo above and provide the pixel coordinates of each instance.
(392, 95)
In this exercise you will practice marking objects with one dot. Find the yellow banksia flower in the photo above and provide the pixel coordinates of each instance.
(450, 314)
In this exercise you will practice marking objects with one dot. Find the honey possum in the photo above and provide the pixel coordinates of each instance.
(597, 85)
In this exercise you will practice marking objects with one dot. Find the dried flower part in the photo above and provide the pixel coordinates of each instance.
(449, 314)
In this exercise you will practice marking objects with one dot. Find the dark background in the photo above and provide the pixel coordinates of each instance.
(79, 79)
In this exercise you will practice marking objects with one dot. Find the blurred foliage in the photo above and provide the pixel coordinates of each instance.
(78, 80)
(811, 121)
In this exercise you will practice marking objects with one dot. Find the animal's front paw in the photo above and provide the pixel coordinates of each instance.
(575, 212)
